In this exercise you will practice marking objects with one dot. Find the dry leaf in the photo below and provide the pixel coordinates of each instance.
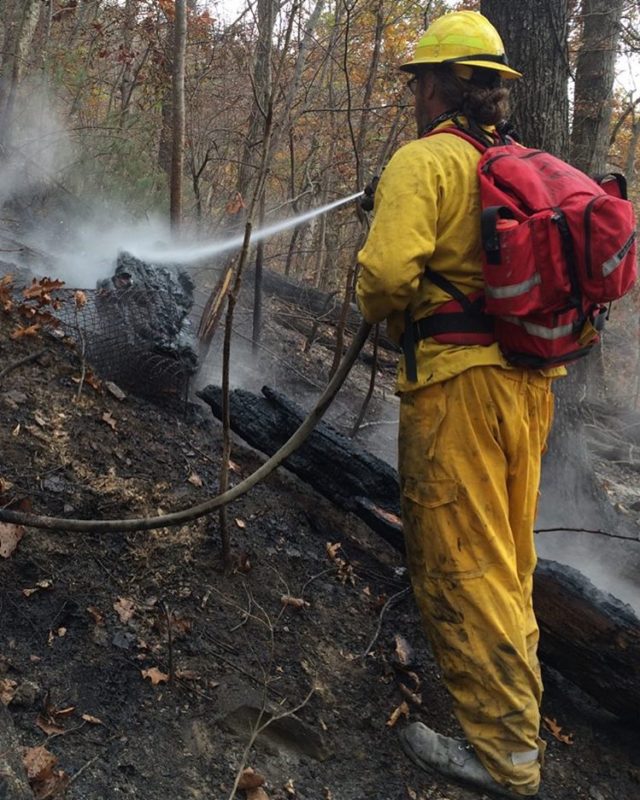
(332, 550)
(96, 615)
(47, 583)
(40, 420)
(195, 479)
(106, 417)
(257, 794)
(24, 330)
(411, 793)
(416, 699)
(294, 602)
(92, 720)
(235, 205)
(241, 523)
(16, 430)
(115, 390)
(187, 675)
(250, 779)
(403, 651)
(401, 711)
(38, 763)
(556, 731)
(289, 787)
(7, 690)
(10, 535)
(233, 466)
(80, 299)
(125, 608)
(49, 727)
(155, 675)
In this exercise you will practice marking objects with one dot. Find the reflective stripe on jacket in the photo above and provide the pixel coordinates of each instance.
(427, 212)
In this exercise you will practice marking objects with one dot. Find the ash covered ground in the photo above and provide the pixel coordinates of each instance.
(92, 626)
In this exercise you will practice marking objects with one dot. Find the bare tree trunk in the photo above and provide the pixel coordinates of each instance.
(21, 36)
(535, 37)
(595, 73)
(177, 150)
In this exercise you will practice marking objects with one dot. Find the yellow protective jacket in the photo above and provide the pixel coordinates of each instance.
(427, 212)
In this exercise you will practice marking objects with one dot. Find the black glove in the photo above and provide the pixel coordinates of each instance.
(367, 199)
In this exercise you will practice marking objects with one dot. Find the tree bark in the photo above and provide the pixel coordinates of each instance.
(178, 122)
(595, 73)
(535, 33)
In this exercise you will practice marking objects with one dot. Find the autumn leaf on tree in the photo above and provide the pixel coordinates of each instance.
(235, 205)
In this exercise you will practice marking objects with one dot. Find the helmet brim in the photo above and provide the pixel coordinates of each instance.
(416, 66)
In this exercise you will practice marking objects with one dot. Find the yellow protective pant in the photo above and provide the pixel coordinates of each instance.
(469, 457)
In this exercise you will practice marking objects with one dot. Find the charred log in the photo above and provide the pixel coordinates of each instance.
(589, 636)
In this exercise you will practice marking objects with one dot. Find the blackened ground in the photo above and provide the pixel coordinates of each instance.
(105, 607)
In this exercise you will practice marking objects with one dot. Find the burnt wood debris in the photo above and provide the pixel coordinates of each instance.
(589, 636)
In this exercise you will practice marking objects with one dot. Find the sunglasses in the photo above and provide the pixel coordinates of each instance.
(412, 85)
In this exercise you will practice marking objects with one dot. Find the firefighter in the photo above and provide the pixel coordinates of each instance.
(472, 428)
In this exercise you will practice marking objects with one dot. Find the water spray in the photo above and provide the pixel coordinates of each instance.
(189, 254)
(186, 255)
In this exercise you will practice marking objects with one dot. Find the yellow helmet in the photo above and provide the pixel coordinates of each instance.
(465, 38)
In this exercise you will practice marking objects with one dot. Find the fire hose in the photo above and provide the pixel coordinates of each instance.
(207, 506)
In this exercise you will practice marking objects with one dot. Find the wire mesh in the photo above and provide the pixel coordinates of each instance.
(135, 337)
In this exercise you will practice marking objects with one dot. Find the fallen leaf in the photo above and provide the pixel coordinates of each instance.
(411, 793)
(403, 651)
(412, 697)
(16, 430)
(233, 466)
(125, 608)
(7, 690)
(10, 535)
(257, 794)
(556, 731)
(47, 583)
(187, 674)
(38, 763)
(92, 720)
(195, 479)
(294, 602)
(289, 787)
(332, 550)
(24, 330)
(244, 563)
(80, 299)
(241, 523)
(110, 421)
(49, 727)
(40, 420)
(250, 779)
(155, 675)
(96, 615)
(115, 390)
(61, 632)
(401, 711)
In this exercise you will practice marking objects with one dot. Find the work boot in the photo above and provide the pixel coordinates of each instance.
(453, 758)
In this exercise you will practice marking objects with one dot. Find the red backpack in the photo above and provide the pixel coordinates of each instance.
(557, 246)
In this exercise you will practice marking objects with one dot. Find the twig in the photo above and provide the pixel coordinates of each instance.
(77, 774)
(313, 577)
(167, 617)
(587, 530)
(25, 360)
(393, 599)
(83, 348)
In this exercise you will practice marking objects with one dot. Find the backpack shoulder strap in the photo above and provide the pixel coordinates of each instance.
(456, 131)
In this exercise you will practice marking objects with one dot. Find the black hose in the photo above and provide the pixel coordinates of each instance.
(194, 512)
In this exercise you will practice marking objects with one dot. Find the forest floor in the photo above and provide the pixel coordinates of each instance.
(146, 672)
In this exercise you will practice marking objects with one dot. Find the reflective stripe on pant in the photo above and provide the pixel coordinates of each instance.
(469, 456)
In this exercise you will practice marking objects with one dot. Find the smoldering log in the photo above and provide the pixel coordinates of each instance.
(589, 636)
